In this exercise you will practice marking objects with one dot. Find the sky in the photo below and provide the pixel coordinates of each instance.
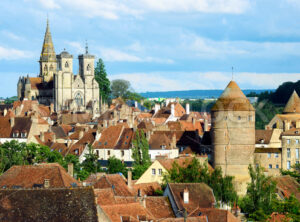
(158, 45)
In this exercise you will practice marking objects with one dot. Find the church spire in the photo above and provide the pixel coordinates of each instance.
(48, 53)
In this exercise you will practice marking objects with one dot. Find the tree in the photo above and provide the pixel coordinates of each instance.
(91, 164)
(133, 96)
(116, 166)
(103, 81)
(295, 172)
(119, 88)
(195, 172)
(140, 154)
(258, 202)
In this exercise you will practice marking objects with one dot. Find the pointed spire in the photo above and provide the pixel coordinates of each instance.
(232, 99)
(48, 53)
(86, 47)
(293, 105)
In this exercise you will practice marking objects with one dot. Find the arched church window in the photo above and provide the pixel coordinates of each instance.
(45, 68)
(88, 68)
(66, 65)
(51, 67)
(78, 99)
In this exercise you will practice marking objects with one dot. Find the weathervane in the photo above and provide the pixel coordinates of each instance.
(232, 73)
(86, 47)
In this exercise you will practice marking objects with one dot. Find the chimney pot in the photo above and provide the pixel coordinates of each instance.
(186, 195)
(187, 108)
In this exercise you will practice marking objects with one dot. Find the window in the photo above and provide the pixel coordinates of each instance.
(225, 117)
(288, 141)
(297, 153)
(23, 134)
(45, 68)
(163, 147)
(15, 134)
(250, 118)
(122, 153)
(297, 162)
(269, 155)
(61, 150)
(159, 171)
(297, 141)
(97, 153)
(76, 151)
(270, 166)
(288, 152)
(66, 65)
(78, 99)
(88, 68)
(51, 67)
(108, 152)
(276, 155)
(277, 166)
(105, 143)
(288, 165)
(153, 171)
(239, 117)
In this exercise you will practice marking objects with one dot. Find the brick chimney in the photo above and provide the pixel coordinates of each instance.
(129, 179)
(156, 108)
(4, 112)
(81, 133)
(187, 108)
(42, 136)
(46, 183)
(53, 138)
(70, 169)
(172, 109)
(205, 125)
(12, 122)
(135, 104)
(186, 195)
(173, 141)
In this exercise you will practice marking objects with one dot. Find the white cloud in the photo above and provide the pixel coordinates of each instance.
(14, 54)
(208, 48)
(173, 81)
(77, 46)
(49, 4)
(113, 9)
(11, 35)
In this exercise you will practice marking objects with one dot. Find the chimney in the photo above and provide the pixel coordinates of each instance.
(51, 108)
(4, 112)
(42, 136)
(144, 201)
(167, 102)
(81, 133)
(70, 169)
(46, 183)
(298, 124)
(12, 122)
(187, 108)
(186, 195)
(135, 104)
(129, 179)
(205, 125)
(156, 108)
(194, 121)
(286, 125)
(53, 138)
(148, 135)
(172, 109)
(173, 141)
(105, 124)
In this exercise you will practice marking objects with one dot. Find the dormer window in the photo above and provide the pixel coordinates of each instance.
(76, 151)
(163, 147)
(60, 150)
(15, 134)
(262, 140)
(23, 134)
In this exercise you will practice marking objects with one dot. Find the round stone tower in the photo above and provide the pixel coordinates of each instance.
(233, 135)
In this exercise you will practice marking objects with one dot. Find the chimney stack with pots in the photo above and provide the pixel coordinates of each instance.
(187, 108)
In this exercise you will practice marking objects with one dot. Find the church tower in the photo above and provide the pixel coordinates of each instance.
(233, 135)
(48, 57)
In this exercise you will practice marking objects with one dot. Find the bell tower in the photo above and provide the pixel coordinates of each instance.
(47, 61)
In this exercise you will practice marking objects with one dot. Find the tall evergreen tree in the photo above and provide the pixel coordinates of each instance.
(140, 154)
(103, 81)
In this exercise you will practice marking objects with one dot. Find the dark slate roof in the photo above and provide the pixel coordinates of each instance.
(77, 204)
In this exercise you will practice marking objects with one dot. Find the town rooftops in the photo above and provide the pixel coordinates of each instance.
(55, 205)
(286, 186)
(293, 104)
(263, 136)
(232, 99)
(215, 215)
(29, 176)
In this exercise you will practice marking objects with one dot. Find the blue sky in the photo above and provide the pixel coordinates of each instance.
(158, 45)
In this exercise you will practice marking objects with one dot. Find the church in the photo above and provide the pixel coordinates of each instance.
(57, 84)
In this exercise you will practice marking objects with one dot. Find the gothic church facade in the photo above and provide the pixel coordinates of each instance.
(58, 85)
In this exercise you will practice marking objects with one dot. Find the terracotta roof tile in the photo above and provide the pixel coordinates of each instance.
(216, 215)
(286, 186)
(109, 137)
(263, 136)
(27, 176)
(146, 188)
(55, 205)
(5, 127)
(159, 207)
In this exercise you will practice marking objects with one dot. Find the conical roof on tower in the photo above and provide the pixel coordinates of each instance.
(232, 99)
(293, 105)
(48, 53)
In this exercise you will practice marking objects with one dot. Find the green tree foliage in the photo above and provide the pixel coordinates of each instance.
(284, 91)
(140, 154)
(116, 166)
(91, 164)
(295, 172)
(148, 104)
(103, 81)
(133, 96)
(195, 172)
(199, 105)
(119, 88)
(289, 207)
(258, 202)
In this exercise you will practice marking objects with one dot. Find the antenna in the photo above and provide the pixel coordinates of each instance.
(86, 47)
(232, 73)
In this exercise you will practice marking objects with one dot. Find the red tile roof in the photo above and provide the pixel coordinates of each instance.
(287, 185)
(27, 176)
(109, 137)
(159, 207)
(215, 215)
